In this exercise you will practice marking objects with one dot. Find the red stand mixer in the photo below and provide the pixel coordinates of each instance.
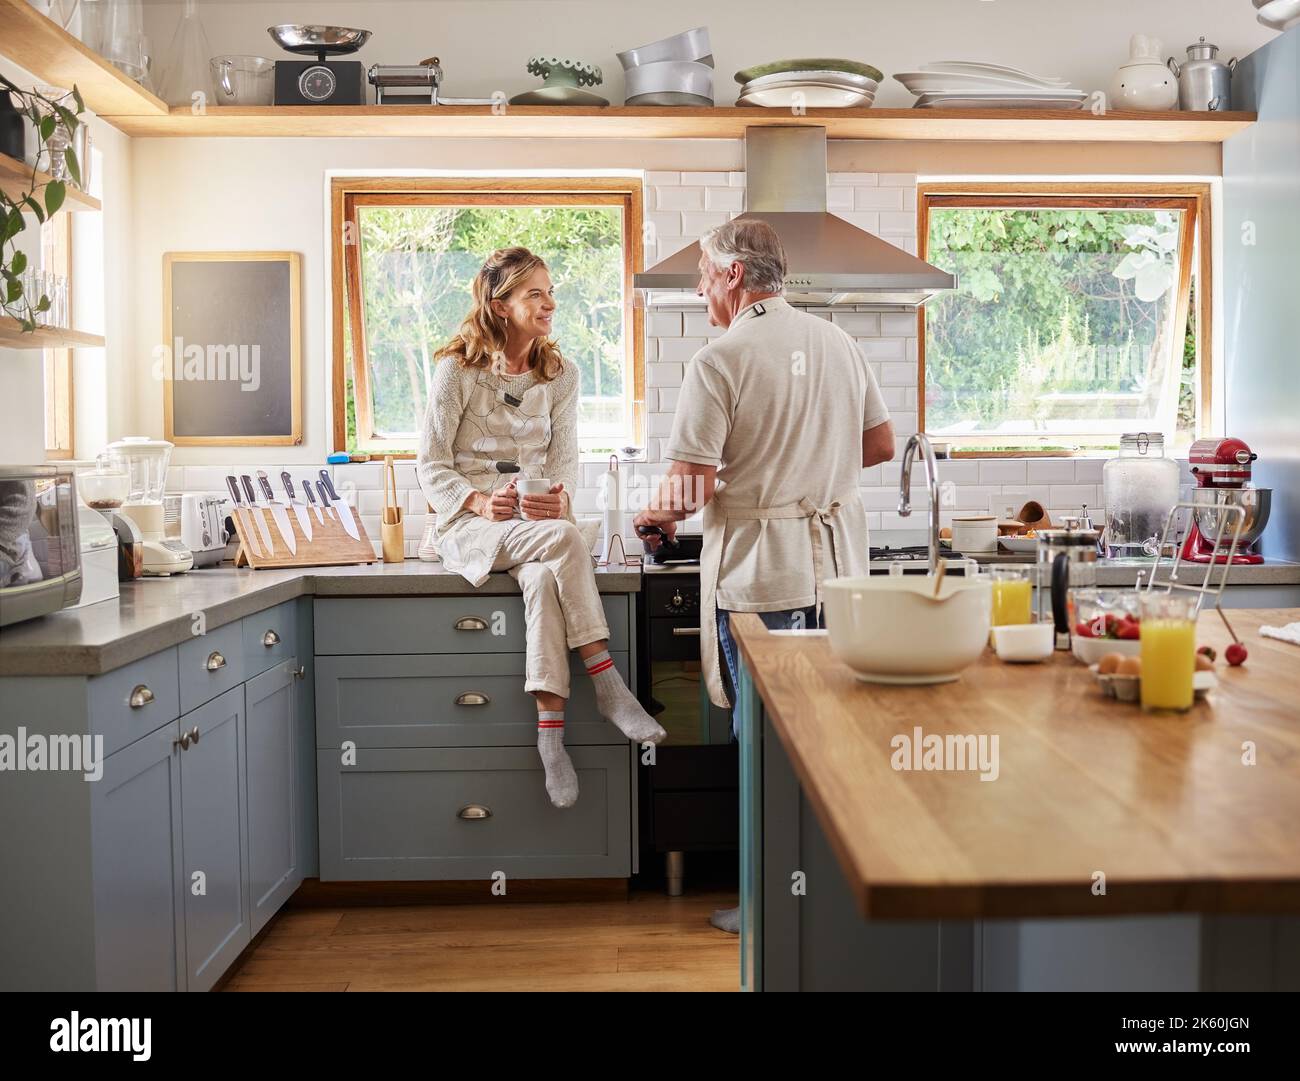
(1222, 470)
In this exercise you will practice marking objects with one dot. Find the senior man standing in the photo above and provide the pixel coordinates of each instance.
(775, 420)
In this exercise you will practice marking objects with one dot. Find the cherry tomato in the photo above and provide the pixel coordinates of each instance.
(1235, 654)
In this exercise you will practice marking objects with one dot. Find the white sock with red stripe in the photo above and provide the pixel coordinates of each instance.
(617, 704)
(561, 780)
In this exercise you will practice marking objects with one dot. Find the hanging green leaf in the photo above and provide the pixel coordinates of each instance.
(18, 264)
(76, 96)
(55, 192)
(47, 126)
(13, 291)
(35, 208)
(74, 167)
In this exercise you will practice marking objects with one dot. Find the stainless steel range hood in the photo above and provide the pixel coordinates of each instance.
(830, 262)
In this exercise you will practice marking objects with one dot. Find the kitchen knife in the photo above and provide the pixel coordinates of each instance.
(299, 511)
(344, 511)
(311, 498)
(278, 512)
(325, 500)
(258, 517)
(246, 532)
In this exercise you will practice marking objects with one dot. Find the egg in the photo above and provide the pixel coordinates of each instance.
(1129, 666)
(1203, 663)
(1109, 664)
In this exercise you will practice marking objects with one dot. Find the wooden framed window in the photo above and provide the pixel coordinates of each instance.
(56, 256)
(1082, 311)
(405, 252)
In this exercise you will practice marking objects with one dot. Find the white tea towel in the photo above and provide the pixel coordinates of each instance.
(1289, 633)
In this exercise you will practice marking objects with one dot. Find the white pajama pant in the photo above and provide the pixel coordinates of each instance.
(561, 603)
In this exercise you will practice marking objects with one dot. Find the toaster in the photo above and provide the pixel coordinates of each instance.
(198, 522)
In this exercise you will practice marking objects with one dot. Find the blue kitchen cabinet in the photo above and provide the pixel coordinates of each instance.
(213, 830)
(273, 762)
(136, 852)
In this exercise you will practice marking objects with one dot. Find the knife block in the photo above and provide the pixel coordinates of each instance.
(330, 543)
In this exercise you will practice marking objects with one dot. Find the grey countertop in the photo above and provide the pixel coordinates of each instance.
(154, 613)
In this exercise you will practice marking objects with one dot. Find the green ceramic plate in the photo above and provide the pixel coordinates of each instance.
(809, 64)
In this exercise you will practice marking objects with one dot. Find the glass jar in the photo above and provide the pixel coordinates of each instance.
(1141, 487)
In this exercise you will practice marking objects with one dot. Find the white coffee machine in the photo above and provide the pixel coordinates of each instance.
(145, 461)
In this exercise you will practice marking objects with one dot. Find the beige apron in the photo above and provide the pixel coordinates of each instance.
(716, 514)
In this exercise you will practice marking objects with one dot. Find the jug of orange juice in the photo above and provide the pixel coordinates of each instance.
(1168, 650)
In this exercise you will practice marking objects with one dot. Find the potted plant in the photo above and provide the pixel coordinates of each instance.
(55, 123)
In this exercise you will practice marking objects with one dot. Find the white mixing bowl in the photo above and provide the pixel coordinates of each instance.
(892, 629)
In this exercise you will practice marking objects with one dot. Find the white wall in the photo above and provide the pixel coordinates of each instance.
(485, 44)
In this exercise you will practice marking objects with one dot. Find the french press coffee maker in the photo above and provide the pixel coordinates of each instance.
(1067, 560)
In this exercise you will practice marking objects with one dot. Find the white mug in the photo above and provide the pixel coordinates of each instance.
(525, 486)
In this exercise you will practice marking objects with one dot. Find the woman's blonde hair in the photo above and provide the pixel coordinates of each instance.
(481, 341)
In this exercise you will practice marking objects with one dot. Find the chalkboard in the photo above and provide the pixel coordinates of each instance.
(232, 334)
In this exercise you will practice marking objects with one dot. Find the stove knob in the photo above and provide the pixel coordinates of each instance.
(678, 600)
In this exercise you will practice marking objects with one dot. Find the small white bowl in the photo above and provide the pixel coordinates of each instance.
(1024, 643)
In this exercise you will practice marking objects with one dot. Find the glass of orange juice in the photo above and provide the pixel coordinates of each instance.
(1168, 650)
(1012, 595)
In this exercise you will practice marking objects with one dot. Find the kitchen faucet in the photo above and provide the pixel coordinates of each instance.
(920, 439)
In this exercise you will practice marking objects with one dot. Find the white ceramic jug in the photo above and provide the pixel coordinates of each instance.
(1144, 84)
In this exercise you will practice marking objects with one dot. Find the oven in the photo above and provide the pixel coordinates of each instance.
(690, 796)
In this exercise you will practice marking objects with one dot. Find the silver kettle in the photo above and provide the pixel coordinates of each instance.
(1204, 83)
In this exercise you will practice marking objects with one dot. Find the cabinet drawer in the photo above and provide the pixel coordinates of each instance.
(398, 814)
(134, 700)
(474, 623)
(210, 665)
(269, 638)
(437, 701)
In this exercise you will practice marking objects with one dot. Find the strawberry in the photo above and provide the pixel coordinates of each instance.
(1083, 630)
(1128, 630)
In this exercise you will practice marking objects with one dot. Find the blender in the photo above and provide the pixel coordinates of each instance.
(145, 462)
(1222, 471)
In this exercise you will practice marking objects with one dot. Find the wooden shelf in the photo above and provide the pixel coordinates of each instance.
(12, 337)
(15, 177)
(34, 42)
(623, 122)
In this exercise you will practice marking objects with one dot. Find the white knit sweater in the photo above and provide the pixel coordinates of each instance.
(476, 419)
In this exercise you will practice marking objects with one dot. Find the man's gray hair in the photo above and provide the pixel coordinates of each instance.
(755, 246)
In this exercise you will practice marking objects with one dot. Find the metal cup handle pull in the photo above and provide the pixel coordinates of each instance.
(471, 623)
(473, 812)
(473, 698)
(215, 660)
(270, 638)
(141, 696)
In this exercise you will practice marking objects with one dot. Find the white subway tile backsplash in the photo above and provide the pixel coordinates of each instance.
(660, 424)
(663, 223)
(975, 497)
(895, 397)
(1049, 471)
(898, 324)
(679, 198)
(664, 325)
(863, 219)
(704, 178)
(857, 323)
(1088, 470)
(359, 475)
(1003, 471)
(668, 178)
(853, 178)
(678, 351)
(736, 179)
(904, 422)
(1072, 495)
(880, 498)
(895, 375)
(878, 198)
(697, 223)
(900, 223)
(959, 472)
(898, 180)
(724, 199)
(697, 325)
(663, 375)
(839, 197)
(885, 349)
(668, 399)
(870, 477)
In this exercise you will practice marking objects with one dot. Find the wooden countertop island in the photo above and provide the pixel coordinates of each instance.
(1163, 806)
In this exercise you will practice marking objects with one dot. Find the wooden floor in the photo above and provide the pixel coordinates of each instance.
(646, 942)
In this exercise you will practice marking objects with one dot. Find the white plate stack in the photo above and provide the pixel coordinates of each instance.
(961, 84)
(811, 89)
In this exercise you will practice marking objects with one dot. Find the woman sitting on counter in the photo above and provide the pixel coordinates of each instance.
(503, 408)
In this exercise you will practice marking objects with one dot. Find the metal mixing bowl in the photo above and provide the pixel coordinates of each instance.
(1256, 502)
(311, 38)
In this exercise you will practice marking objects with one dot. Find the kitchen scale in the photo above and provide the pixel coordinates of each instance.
(319, 81)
